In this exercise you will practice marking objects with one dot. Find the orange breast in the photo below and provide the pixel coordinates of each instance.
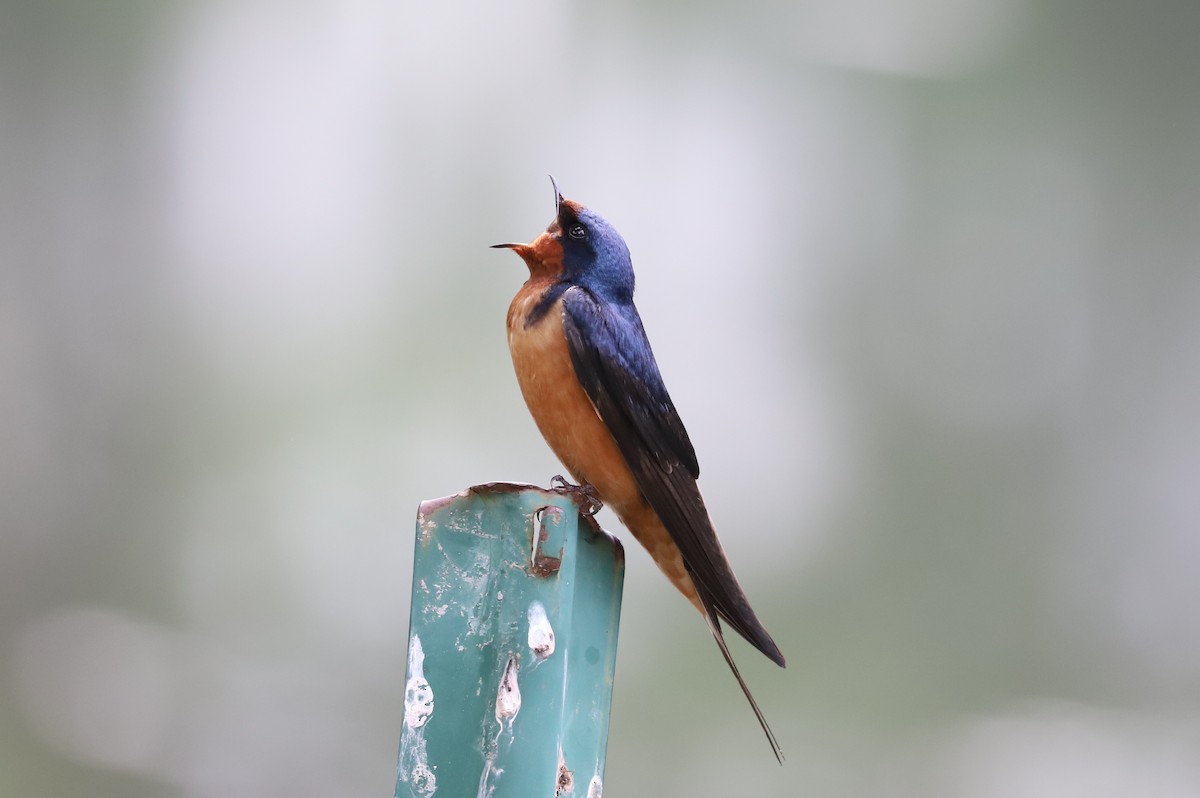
(559, 405)
(571, 426)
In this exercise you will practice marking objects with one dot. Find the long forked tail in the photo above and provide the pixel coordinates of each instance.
(714, 626)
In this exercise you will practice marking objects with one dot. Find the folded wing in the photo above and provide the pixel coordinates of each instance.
(614, 363)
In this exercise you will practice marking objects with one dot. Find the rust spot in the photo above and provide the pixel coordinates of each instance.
(540, 563)
(501, 487)
(574, 206)
(566, 779)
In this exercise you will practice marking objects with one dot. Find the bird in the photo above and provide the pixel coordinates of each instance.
(589, 378)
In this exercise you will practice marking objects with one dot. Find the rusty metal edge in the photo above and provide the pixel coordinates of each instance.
(431, 506)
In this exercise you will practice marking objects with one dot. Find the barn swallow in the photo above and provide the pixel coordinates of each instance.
(590, 380)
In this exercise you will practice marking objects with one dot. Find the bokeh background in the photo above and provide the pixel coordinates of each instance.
(922, 277)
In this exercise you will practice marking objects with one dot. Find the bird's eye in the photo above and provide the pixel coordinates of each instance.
(577, 231)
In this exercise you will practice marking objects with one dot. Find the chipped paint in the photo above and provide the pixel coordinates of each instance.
(596, 787)
(541, 563)
(541, 633)
(418, 695)
(487, 779)
(423, 780)
(495, 569)
(508, 704)
(508, 694)
(413, 766)
(565, 783)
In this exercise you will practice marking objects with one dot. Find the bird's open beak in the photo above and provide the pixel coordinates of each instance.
(521, 249)
(544, 254)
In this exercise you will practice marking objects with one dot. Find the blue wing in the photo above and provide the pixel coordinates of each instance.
(615, 365)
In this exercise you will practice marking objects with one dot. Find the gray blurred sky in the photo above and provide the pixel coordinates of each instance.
(921, 276)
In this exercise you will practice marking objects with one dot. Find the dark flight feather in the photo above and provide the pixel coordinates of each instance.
(613, 361)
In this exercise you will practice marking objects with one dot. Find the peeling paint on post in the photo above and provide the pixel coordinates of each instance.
(515, 604)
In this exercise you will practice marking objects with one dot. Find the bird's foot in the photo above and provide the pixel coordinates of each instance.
(585, 494)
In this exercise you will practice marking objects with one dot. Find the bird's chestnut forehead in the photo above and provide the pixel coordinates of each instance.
(601, 228)
(571, 208)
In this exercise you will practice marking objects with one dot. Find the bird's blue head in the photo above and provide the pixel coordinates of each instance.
(580, 248)
(594, 254)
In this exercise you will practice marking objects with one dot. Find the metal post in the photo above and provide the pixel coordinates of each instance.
(512, 644)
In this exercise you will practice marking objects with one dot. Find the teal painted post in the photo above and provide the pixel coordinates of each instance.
(512, 644)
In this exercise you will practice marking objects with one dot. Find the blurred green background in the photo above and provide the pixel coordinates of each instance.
(922, 278)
